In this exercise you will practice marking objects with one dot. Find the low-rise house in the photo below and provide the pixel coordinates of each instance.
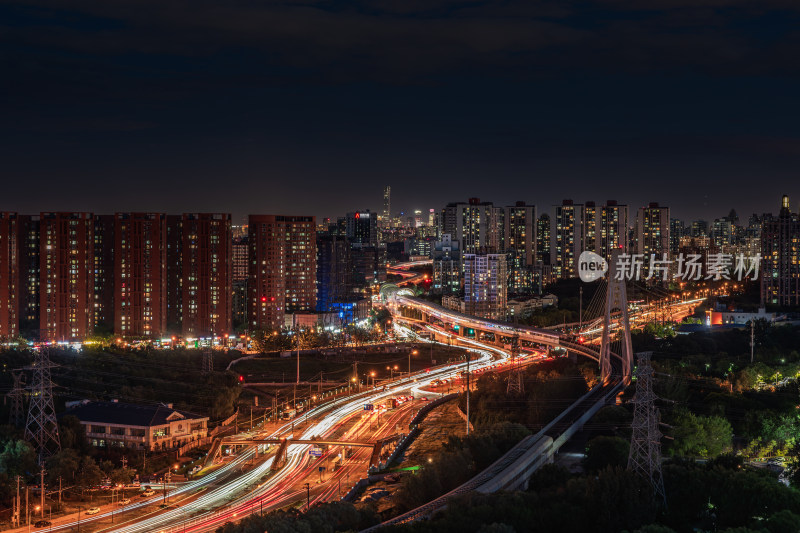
(139, 427)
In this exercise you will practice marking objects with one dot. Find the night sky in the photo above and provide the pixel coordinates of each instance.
(312, 107)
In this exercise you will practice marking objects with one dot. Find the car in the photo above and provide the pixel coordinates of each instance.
(92, 510)
(424, 398)
(42, 523)
(126, 501)
(148, 493)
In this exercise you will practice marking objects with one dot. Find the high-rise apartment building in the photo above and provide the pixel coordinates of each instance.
(652, 231)
(446, 256)
(591, 226)
(174, 273)
(301, 263)
(474, 225)
(206, 274)
(11, 245)
(283, 268)
(543, 227)
(239, 250)
(104, 273)
(566, 239)
(676, 232)
(780, 265)
(140, 274)
(66, 288)
(612, 229)
(485, 287)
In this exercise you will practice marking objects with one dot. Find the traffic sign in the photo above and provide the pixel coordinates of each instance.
(316, 452)
(368, 407)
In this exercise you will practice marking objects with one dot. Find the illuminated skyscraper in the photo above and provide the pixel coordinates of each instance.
(780, 266)
(387, 207)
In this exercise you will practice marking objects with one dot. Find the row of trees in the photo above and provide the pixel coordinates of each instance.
(713, 497)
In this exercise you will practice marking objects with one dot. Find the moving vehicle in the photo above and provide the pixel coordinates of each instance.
(126, 501)
(148, 493)
(42, 523)
(92, 510)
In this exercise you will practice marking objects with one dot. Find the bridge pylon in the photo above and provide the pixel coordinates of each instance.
(616, 300)
(516, 383)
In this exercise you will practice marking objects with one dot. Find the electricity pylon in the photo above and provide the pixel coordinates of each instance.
(16, 396)
(41, 429)
(645, 454)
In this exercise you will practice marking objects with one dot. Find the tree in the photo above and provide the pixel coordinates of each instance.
(17, 457)
(603, 452)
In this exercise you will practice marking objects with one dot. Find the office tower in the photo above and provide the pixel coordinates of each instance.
(566, 239)
(417, 218)
(66, 306)
(206, 274)
(283, 268)
(334, 271)
(446, 256)
(473, 224)
(362, 228)
(104, 285)
(780, 265)
(140, 274)
(11, 245)
(432, 218)
(387, 206)
(652, 231)
(485, 288)
(676, 232)
(543, 227)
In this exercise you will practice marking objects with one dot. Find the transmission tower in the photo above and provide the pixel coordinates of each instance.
(208, 361)
(645, 454)
(616, 298)
(17, 398)
(516, 385)
(41, 429)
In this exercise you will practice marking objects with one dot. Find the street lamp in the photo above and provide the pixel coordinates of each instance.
(414, 352)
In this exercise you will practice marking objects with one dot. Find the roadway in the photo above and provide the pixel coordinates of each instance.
(244, 485)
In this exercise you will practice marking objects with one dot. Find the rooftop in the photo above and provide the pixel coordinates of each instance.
(129, 414)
